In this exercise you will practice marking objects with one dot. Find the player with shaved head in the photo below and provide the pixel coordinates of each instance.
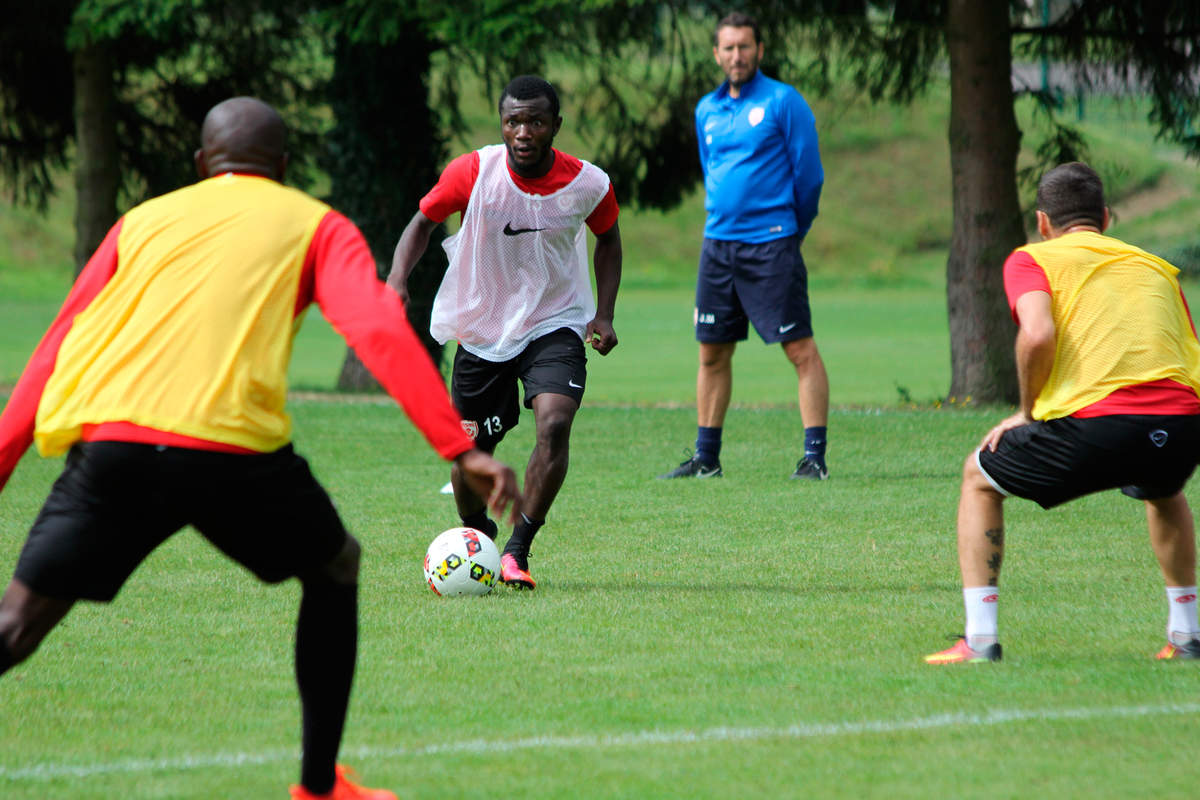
(163, 379)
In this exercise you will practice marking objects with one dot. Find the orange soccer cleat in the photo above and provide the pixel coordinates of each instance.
(962, 654)
(343, 789)
(512, 574)
(1188, 650)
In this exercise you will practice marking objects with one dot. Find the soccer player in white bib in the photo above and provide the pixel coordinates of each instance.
(517, 297)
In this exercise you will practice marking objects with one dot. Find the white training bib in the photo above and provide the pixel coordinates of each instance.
(519, 263)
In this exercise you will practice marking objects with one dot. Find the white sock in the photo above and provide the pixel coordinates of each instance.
(1181, 614)
(981, 603)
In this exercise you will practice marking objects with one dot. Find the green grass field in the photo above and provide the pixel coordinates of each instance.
(742, 637)
(747, 637)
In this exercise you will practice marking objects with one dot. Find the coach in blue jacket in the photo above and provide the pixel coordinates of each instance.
(762, 181)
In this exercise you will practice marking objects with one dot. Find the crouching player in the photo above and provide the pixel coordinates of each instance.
(1109, 371)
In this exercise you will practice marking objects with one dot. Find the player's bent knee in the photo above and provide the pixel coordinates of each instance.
(20, 643)
(972, 475)
(344, 566)
(557, 424)
(25, 626)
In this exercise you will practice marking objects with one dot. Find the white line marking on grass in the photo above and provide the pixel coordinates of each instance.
(53, 771)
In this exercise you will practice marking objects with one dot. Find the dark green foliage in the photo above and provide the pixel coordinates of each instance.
(172, 62)
(1114, 47)
(178, 59)
(385, 151)
(36, 123)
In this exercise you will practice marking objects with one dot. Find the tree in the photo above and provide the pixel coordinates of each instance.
(642, 64)
(984, 142)
(35, 98)
(384, 151)
(892, 49)
(125, 84)
(1156, 44)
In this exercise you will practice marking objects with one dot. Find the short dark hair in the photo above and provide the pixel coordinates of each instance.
(528, 87)
(737, 19)
(1072, 194)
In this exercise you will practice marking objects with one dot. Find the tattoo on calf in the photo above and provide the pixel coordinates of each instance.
(996, 537)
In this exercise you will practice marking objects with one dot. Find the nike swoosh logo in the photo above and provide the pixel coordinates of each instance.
(509, 230)
(786, 328)
(574, 385)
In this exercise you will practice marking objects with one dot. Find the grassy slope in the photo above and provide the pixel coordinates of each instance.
(884, 223)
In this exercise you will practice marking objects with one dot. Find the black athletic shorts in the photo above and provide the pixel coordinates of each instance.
(485, 392)
(765, 284)
(1051, 462)
(115, 502)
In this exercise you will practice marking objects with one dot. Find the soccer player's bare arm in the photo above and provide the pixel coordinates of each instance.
(1035, 346)
(606, 260)
(412, 245)
(450, 194)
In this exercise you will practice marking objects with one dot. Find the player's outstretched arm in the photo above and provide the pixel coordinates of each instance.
(412, 245)
(493, 480)
(606, 261)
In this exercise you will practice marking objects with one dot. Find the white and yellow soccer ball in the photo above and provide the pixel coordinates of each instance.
(462, 561)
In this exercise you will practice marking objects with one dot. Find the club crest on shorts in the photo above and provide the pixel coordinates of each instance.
(1158, 436)
(471, 428)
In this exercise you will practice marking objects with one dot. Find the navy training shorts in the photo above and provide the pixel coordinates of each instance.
(765, 284)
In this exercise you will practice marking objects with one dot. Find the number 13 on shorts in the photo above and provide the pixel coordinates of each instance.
(491, 426)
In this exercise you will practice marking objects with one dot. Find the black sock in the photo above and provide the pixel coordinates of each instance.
(6, 657)
(326, 649)
(814, 444)
(521, 539)
(480, 522)
(708, 445)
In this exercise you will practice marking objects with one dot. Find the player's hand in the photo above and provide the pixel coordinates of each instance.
(601, 336)
(494, 481)
(402, 290)
(995, 434)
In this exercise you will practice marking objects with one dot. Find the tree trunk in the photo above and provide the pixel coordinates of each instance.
(355, 377)
(97, 171)
(984, 141)
(383, 155)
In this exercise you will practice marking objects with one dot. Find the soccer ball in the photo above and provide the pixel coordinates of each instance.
(462, 561)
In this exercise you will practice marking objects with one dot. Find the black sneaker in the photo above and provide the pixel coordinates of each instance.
(809, 469)
(694, 468)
